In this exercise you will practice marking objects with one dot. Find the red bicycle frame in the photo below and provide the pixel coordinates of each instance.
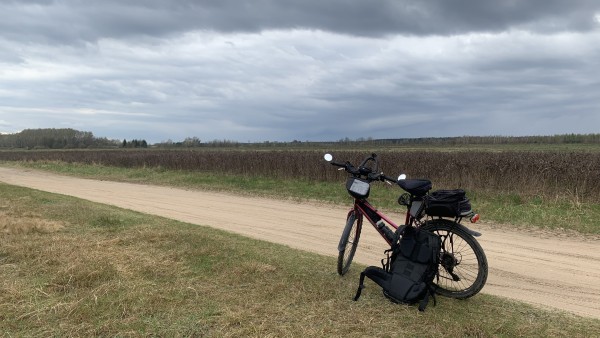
(374, 217)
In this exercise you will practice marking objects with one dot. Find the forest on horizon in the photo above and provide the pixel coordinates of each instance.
(67, 138)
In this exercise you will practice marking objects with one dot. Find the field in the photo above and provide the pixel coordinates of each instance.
(548, 188)
(75, 268)
(550, 174)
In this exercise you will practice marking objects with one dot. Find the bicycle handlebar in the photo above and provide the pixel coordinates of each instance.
(390, 179)
(370, 174)
(337, 164)
(348, 167)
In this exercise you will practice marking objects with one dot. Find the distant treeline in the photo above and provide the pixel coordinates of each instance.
(554, 139)
(65, 138)
(134, 144)
(471, 140)
(192, 142)
(52, 138)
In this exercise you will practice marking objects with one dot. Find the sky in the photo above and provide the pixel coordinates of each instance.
(307, 70)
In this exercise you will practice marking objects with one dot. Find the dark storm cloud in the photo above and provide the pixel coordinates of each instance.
(306, 70)
(68, 21)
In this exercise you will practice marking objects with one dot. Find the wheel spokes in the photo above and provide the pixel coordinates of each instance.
(458, 263)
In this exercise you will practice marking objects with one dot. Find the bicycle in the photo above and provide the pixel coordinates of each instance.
(463, 265)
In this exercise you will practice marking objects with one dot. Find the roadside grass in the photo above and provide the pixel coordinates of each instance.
(88, 269)
(557, 214)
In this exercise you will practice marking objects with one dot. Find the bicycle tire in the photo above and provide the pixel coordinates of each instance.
(461, 257)
(349, 242)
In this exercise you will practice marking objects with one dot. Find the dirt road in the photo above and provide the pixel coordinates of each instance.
(544, 269)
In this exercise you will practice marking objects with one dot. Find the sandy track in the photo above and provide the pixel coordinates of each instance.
(544, 269)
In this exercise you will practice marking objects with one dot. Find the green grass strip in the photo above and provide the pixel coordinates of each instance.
(74, 268)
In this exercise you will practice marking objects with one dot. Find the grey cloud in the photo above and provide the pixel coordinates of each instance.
(72, 21)
(169, 70)
(537, 15)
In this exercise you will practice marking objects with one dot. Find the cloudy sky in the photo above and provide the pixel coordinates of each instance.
(283, 70)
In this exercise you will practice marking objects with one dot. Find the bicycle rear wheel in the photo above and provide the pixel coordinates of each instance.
(349, 242)
(463, 266)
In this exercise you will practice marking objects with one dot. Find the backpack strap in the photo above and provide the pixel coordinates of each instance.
(361, 285)
(394, 248)
(385, 262)
(377, 274)
(434, 244)
(423, 303)
(430, 287)
(399, 232)
(430, 292)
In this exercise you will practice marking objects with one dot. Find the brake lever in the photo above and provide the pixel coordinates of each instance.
(386, 181)
(382, 177)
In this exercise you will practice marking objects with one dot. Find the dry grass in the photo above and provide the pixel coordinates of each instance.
(567, 174)
(112, 272)
(11, 225)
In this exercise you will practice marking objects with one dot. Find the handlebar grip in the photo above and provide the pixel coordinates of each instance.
(389, 178)
(337, 164)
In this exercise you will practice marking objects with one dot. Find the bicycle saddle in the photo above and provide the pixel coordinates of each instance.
(416, 187)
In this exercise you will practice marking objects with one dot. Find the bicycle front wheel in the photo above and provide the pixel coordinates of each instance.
(349, 242)
(463, 266)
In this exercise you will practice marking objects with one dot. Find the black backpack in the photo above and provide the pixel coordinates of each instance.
(407, 275)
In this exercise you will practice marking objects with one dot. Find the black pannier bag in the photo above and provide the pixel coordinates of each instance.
(407, 275)
(358, 188)
(447, 203)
